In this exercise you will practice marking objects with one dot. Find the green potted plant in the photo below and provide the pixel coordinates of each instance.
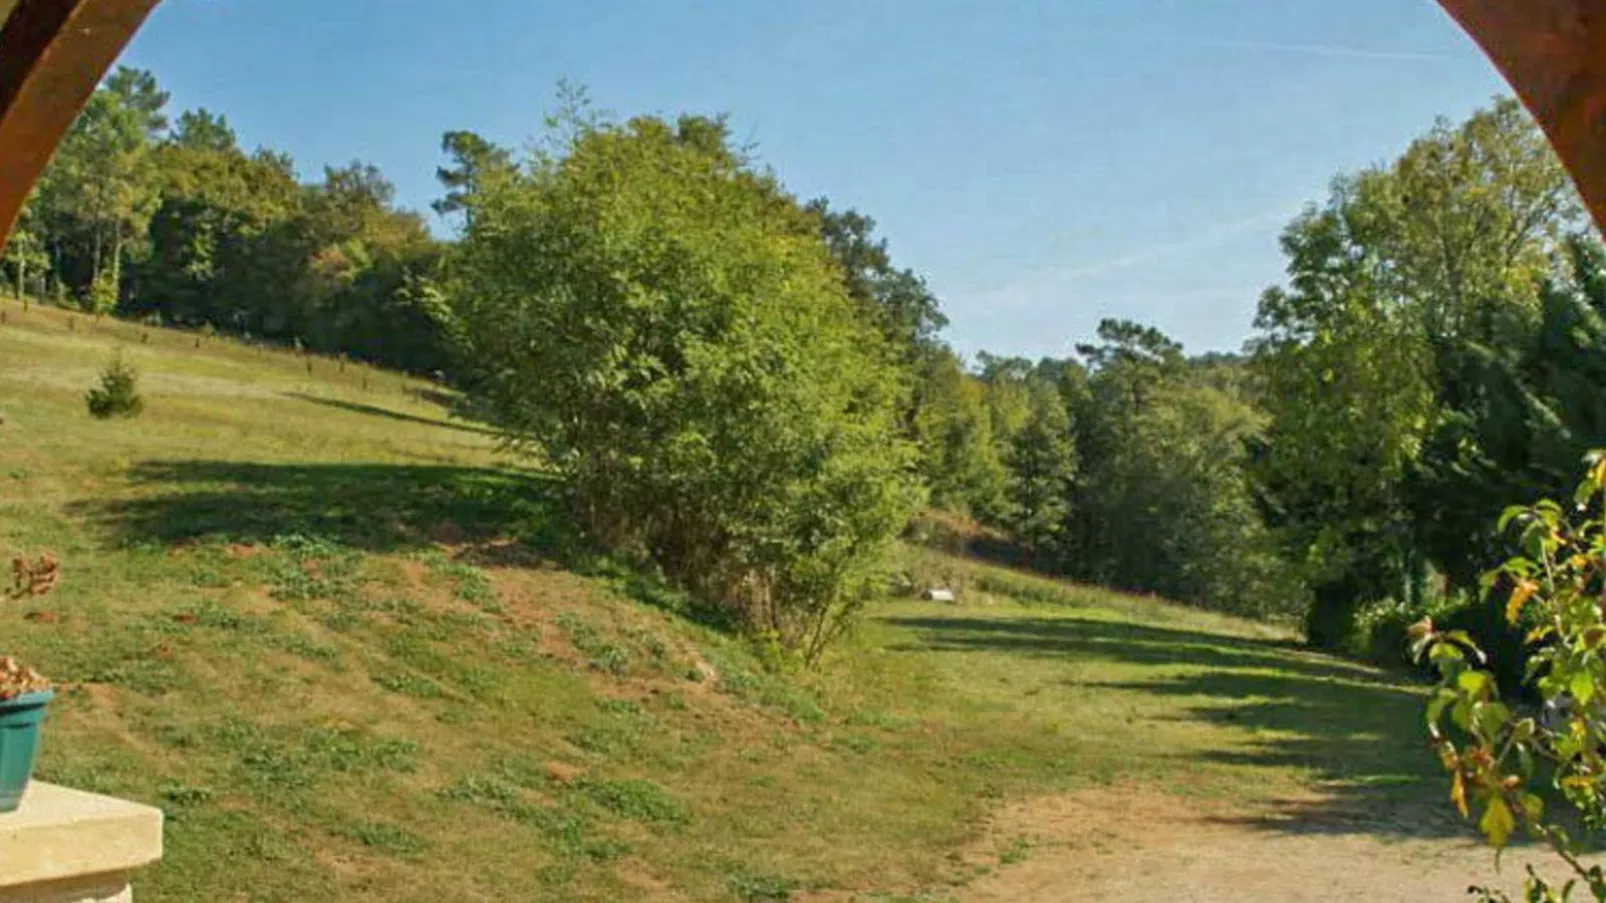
(24, 693)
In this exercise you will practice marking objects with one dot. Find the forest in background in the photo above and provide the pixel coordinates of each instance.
(692, 338)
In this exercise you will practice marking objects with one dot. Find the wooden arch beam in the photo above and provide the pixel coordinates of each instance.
(1553, 52)
(53, 53)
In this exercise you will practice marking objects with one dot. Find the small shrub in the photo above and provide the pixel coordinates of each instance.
(410, 685)
(856, 743)
(389, 839)
(353, 751)
(1018, 851)
(614, 739)
(484, 790)
(872, 719)
(1382, 633)
(600, 654)
(185, 795)
(118, 392)
(634, 800)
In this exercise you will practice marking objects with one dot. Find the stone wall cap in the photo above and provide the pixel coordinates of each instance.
(62, 833)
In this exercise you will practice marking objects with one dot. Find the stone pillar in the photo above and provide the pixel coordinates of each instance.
(66, 846)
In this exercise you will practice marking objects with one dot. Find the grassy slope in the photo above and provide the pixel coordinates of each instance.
(292, 617)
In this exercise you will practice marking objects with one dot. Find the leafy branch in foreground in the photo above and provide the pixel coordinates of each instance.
(1556, 587)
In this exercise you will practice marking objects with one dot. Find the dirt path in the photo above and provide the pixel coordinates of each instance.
(1132, 846)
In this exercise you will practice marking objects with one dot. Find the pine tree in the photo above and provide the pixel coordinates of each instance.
(1043, 465)
(118, 392)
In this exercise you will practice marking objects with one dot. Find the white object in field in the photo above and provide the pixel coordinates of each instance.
(938, 594)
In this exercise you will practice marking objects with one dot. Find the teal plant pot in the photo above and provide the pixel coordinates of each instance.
(20, 719)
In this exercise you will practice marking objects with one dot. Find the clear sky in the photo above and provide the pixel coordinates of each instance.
(1045, 163)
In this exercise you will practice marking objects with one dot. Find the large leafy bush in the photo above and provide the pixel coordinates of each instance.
(662, 323)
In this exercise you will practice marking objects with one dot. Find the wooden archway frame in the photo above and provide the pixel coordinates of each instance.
(1553, 52)
(54, 52)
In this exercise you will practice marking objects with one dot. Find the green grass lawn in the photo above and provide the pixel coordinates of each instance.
(350, 652)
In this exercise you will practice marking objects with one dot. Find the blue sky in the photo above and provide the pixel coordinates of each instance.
(1044, 164)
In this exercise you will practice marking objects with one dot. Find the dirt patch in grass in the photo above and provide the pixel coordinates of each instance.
(1136, 845)
(637, 876)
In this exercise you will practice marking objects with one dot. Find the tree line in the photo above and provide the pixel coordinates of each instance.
(172, 221)
(747, 394)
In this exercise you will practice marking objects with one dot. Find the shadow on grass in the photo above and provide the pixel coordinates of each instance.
(373, 507)
(375, 411)
(498, 518)
(1357, 733)
(445, 398)
(1124, 641)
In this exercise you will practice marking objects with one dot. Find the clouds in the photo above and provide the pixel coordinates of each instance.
(1210, 237)
(1330, 50)
(1189, 286)
(1048, 281)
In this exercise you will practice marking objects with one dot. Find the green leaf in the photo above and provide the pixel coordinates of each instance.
(1464, 640)
(1586, 487)
(1510, 514)
(1497, 823)
(1487, 581)
(1492, 717)
(1525, 759)
(1473, 683)
(1441, 653)
(1437, 706)
(1582, 686)
(1419, 646)
(1532, 668)
(1532, 806)
(1533, 539)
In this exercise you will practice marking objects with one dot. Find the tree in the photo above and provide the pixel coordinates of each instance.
(1008, 391)
(25, 251)
(1157, 498)
(1042, 464)
(1514, 418)
(117, 394)
(474, 160)
(218, 214)
(896, 300)
(661, 323)
(201, 130)
(183, 224)
(953, 430)
(109, 175)
(1404, 270)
